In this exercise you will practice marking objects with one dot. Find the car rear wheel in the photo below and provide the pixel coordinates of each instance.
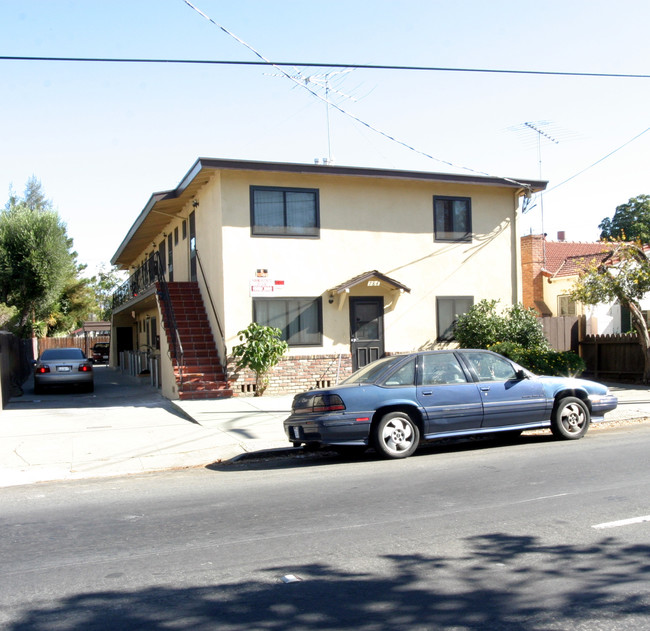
(570, 419)
(396, 435)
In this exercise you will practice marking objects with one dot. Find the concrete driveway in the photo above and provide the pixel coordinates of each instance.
(127, 426)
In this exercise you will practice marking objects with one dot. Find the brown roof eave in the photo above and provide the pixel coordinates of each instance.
(144, 230)
(291, 167)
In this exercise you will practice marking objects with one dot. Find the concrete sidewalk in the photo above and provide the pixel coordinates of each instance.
(126, 427)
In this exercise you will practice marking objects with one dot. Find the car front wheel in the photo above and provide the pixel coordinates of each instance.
(396, 435)
(570, 419)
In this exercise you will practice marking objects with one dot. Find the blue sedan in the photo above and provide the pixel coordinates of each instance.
(396, 402)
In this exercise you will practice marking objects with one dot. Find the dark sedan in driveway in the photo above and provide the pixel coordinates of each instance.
(395, 402)
(63, 367)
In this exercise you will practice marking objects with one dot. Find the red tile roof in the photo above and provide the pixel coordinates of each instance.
(567, 258)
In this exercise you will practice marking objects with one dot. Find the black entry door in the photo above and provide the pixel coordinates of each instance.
(366, 330)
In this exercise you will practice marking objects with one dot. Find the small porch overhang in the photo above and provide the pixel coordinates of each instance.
(375, 277)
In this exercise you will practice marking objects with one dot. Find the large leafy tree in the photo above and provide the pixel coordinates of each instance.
(624, 276)
(37, 265)
(103, 285)
(631, 221)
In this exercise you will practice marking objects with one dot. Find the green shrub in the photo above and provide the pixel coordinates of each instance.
(482, 327)
(542, 361)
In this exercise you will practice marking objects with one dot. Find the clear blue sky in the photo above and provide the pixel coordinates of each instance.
(103, 137)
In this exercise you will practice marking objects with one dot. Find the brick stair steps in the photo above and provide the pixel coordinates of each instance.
(203, 376)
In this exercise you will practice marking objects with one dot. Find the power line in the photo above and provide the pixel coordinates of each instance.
(611, 153)
(299, 80)
(265, 62)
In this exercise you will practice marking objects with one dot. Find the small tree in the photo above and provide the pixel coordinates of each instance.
(261, 349)
(623, 276)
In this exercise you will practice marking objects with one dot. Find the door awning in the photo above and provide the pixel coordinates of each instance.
(366, 276)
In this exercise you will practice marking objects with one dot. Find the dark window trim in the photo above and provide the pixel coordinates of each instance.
(439, 338)
(319, 305)
(258, 232)
(468, 236)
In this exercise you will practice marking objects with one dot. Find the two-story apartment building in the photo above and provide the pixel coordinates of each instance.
(350, 263)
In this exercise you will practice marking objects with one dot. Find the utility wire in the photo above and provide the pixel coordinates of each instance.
(305, 85)
(266, 62)
(611, 153)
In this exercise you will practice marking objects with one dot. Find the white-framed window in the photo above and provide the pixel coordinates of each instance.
(566, 306)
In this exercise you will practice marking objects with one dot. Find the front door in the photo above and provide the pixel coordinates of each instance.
(366, 330)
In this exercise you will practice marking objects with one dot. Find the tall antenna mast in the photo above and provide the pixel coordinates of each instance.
(541, 134)
(323, 81)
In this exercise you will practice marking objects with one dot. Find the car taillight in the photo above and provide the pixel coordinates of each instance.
(42, 369)
(318, 403)
(85, 367)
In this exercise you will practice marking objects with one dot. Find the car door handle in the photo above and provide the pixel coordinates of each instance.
(485, 388)
(429, 392)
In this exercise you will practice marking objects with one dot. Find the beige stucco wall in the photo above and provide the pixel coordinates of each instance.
(558, 287)
(366, 224)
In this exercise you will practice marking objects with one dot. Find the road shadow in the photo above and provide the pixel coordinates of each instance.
(494, 582)
(299, 458)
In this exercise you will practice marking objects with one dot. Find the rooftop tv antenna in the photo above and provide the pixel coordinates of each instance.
(322, 82)
(537, 128)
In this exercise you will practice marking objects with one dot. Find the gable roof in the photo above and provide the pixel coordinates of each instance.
(166, 205)
(361, 278)
(567, 258)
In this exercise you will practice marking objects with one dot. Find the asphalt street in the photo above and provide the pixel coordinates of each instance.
(536, 535)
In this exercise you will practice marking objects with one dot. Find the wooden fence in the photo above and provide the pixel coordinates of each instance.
(613, 356)
(84, 343)
(606, 356)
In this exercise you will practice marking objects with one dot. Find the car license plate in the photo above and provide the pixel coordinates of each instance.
(296, 432)
(63, 368)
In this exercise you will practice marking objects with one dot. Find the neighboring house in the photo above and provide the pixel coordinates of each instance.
(93, 328)
(351, 263)
(549, 272)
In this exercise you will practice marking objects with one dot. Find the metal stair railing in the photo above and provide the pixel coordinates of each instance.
(216, 317)
(179, 354)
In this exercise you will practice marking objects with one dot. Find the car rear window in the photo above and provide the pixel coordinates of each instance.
(371, 372)
(62, 353)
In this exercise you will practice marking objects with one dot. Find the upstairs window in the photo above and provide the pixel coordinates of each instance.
(284, 212)
(452, 218)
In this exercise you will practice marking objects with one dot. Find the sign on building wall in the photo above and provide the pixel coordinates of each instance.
(262, 285)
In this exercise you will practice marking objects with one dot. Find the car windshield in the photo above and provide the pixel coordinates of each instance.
(62, 353)
(371, 372)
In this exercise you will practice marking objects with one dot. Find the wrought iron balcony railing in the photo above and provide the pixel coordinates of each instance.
(142, 279)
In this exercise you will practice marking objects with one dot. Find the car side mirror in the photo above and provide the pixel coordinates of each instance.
(521, 374)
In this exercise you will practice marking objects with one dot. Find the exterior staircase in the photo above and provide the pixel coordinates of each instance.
(202, 372)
